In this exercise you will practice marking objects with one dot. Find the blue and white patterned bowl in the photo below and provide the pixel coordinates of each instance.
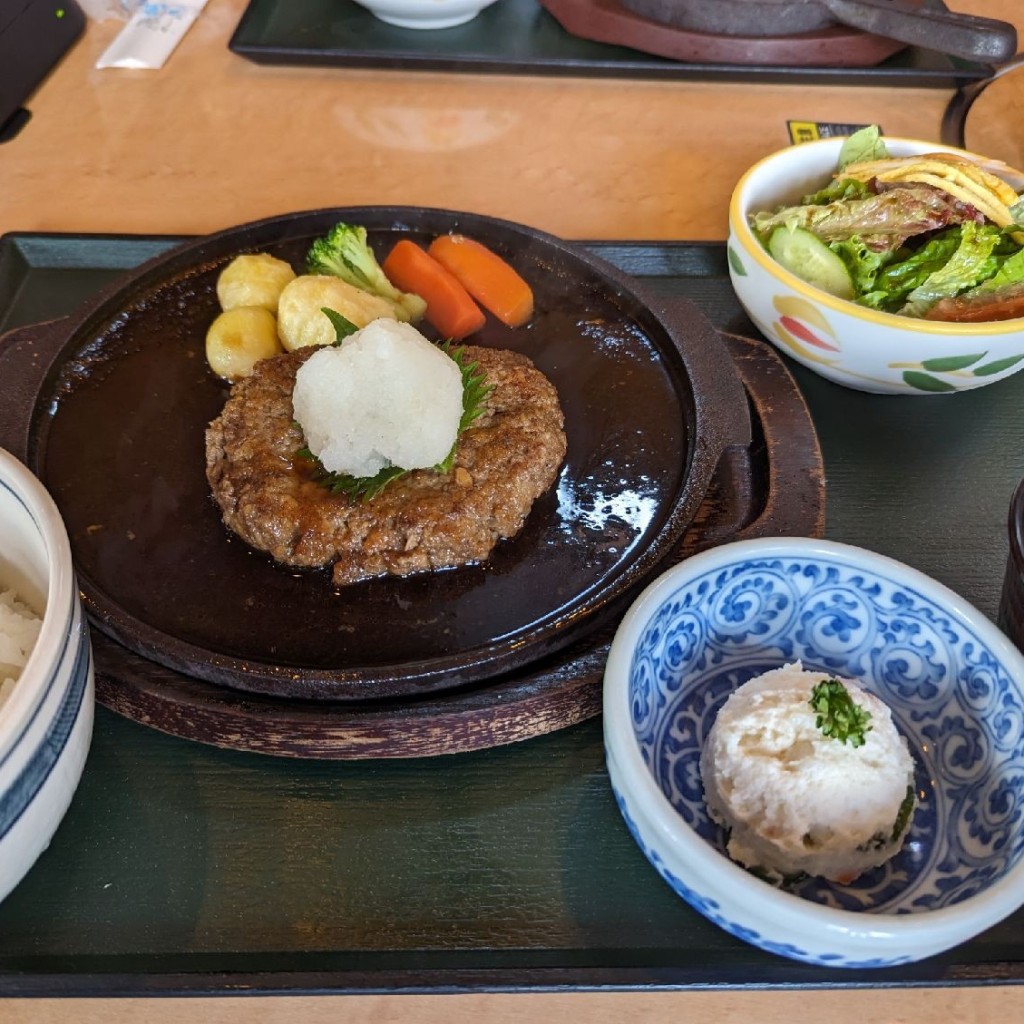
(46, 722)
(955, 685)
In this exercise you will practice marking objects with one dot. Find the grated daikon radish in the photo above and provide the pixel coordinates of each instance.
(385, 397)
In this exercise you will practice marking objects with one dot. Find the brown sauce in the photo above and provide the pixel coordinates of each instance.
(122, 452)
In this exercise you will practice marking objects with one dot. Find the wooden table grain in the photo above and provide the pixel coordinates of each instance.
(213, 140)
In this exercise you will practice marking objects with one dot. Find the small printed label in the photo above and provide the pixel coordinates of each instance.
(811, 131)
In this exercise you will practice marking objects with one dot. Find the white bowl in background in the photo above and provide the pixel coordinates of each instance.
(954, 683)
(46, 721)
(425, 14)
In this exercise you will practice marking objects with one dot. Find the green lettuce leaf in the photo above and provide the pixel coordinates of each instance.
(909, 270)
(862, 145)
(885, 220)
(1009, 272)
(971, 263)
(838, 188)
(863, 262)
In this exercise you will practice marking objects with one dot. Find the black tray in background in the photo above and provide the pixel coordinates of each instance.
(183, 868)
(520, 37)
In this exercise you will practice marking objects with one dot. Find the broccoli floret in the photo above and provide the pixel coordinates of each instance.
(344, 253)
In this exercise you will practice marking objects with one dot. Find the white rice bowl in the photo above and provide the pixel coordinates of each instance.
(47, 713)
(385, 397)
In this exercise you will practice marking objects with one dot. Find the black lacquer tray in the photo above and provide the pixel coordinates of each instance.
(521, 37)
(183, 868)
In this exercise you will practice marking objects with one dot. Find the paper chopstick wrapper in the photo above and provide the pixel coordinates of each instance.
(101, 10)
(152, 34)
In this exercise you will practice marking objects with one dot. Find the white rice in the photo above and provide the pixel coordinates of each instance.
(19, 630)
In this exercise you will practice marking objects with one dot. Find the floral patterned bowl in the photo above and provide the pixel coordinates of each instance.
(847, 343)
(955, 685)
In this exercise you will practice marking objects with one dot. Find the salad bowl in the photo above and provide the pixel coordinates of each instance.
(954, 685)
(844, 341)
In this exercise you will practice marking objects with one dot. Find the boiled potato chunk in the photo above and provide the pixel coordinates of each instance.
(300, 317)
(239, 338)
(253, 279)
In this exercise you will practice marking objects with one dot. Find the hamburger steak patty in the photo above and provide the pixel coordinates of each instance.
(423, 520)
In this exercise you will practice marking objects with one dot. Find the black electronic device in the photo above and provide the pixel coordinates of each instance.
(34, 36)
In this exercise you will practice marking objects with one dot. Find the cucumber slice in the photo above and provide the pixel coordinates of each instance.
(804, 254)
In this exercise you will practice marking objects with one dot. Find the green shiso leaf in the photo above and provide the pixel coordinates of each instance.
(343, 327)
(837, 715)
(362, 487)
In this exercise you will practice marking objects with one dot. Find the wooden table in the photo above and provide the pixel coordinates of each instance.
(212, 140)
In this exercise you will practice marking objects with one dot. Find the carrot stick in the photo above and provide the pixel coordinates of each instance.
(449, 306)
(486, 276)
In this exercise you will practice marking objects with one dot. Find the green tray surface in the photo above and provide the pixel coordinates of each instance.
(184, 868)
(521, 37)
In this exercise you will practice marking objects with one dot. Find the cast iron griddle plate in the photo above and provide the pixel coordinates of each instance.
(118, 438)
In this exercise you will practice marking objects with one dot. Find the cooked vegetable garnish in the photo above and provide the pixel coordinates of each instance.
(914, 233)
(450, 308)
(486, 276)
(345, 253)
(253, 279)
(838, 715)
(239, 338)
(300, 318)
